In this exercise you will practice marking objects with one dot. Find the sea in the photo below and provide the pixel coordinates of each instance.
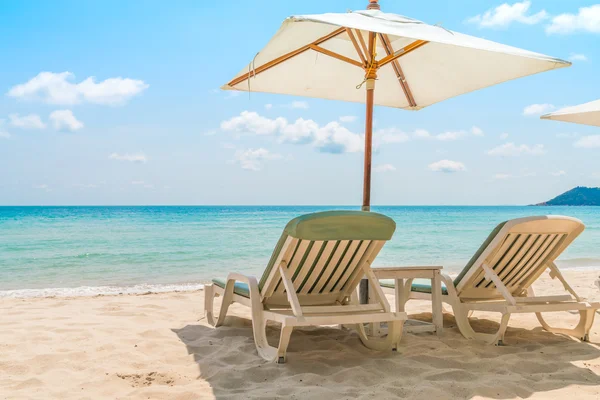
(87, 251)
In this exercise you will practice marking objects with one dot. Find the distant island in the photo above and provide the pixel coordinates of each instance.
(579, 196)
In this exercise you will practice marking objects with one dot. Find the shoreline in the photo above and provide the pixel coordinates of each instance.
(183, 287)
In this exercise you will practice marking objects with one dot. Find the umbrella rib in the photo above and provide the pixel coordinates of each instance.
(285, 57)
(355, 43)
(335, 55)
(402, 52)
(387, 45)
(361, 39)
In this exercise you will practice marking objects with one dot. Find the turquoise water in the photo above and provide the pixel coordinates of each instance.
(90, 250)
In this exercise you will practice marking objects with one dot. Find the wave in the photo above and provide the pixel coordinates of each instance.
(579, 264)
(90, 291)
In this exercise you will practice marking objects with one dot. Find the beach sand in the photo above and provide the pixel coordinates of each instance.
(159, 346)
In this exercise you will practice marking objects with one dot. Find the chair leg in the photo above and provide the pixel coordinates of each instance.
(580, 331)
(284, 341)
(266, 351)
(462, 320)
(390, 342)
(209, 296)
(225, 303)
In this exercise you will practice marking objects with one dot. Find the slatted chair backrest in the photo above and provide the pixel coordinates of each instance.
(517, 252)
(325, 255)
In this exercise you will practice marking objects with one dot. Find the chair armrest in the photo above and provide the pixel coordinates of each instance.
(240, 278)
(249, 280)
(449, 282)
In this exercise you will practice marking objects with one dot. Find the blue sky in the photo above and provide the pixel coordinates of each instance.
(128, 110)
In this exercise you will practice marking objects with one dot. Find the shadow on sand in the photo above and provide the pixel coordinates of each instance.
(328, 362)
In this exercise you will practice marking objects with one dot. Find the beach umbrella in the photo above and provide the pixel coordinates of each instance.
(587, 114)
(413, 64)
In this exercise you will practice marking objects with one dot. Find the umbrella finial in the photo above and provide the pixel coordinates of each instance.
(373, 5)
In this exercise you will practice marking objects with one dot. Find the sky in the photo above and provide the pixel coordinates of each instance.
(118, 103)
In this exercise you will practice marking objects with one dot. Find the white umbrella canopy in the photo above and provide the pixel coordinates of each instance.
(586, 114)
(334, 56)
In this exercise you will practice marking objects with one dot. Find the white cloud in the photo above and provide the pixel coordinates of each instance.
(504, 136)
(330, 138)
(451, 135)
(511, 149)
(558, 173)
(587, 19)
(538, 109)
(137, 183)
(31, 121)
(134, 157)
(251, 122)
(447, 166)
(43, 186)
(211, 132)
(268, 106)
(65, 120)
(334, 138)
(578, 57)
(502, 176)
(505, 14)
(299, 104)
(252, 159)
(57, 88)
(384, 168)
(301, 131)
(588, 142)
(389, 135)
(348, 118)
(421, 134)
(476, 131)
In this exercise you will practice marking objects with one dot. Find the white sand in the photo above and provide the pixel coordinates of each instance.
(160, 347)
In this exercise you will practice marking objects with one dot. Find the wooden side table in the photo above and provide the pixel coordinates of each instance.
(403, 277)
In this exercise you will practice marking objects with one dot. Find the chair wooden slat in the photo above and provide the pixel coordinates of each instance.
(496, 257)
(508, 257)
(331, 266)
(274, 277)
(343, 264)
(542, 262)
(365, 262)
(547, 239)
(293, 264)
(360, 251)
(526, 241)
(318, 269)
(308, 263)
(531, 250)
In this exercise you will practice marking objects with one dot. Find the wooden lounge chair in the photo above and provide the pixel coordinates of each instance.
(499, 276)
(312, 278)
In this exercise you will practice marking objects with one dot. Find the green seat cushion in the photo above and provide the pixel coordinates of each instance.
(238, 288)
(341, 225)
(418, 285)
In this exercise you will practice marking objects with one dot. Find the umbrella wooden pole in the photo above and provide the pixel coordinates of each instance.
(366, 205)
(370, 77)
